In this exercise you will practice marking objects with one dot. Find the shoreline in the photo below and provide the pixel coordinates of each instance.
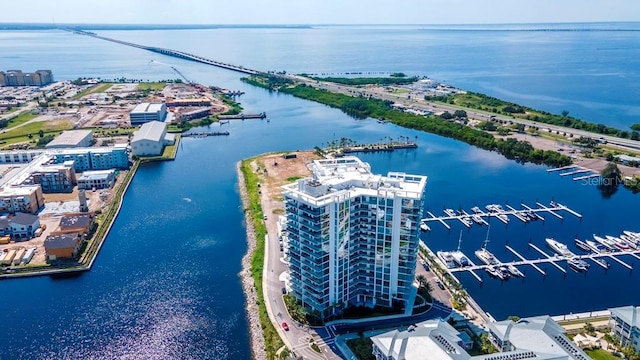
(97, 245)
(256, 335)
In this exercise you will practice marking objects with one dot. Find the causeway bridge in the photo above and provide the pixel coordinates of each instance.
(170, 52)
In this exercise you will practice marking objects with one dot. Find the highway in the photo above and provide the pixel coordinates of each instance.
(420, 103)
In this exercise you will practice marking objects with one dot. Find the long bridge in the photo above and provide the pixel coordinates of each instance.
(170, 52)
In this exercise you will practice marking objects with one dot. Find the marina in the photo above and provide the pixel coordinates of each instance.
(526, 214)
(496, 268)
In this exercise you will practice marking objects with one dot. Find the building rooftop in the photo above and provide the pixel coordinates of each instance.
(24, 219)
(628, 314)
(540, 334)
(75, 221)
(62, 241)
(69, 138)
(147, 108)
(95, 175)
(350, 174)
(152, 130)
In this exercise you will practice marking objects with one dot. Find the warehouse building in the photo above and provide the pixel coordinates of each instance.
(72, 139)
(151, 139)
(145, 112)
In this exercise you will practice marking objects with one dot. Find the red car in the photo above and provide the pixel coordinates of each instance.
(285, 326)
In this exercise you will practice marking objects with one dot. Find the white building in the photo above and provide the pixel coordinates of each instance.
(72, 139)
(538, 338)
(100, 179)
(151, 139)
(146, 112)
(625, 324)
(353, 236)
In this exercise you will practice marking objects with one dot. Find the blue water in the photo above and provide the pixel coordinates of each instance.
(165, 284)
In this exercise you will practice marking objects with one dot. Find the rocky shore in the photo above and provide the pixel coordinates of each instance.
(251, 304)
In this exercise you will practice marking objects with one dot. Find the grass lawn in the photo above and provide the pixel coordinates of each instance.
(102, 87)
(20, 119)
(601, 355)
(151, 86)
(34, 127)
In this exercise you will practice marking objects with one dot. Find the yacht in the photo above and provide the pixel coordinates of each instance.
(504, 270)
(503, 217)
(447, 259)
(632, 234)
(560, 248)
(606, 243)
(476, 219)
(596, 247)
(582, 245)
(602, 262)
(466, 220)
(578, 265)
(621, 244)
(424, 227)
(514, 271)
(484, 255)
(457, 255)
(476, 210)
(630, 239)
(493, 272)
(450, 212)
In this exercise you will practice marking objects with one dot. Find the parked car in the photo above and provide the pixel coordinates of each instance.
(284, 290)
(285, 326)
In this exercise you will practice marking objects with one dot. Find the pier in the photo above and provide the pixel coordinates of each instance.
(548, 259)
(572, 170)
(262, 115)
(526, 214)
(206, 134)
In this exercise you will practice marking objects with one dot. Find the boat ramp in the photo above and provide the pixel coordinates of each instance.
(479, 217)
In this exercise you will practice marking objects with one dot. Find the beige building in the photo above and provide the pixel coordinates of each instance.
(26, 199)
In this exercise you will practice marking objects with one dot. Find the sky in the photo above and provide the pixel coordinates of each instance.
(317, 11)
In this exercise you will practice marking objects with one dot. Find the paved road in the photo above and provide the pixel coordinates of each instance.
(420, 103)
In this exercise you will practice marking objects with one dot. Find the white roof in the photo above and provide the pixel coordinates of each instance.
(152, 130)
(69, 138)
(628, 314)
(147, 108)
(352, 176)
(96, 175)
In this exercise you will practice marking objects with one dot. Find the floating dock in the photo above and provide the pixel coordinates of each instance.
(262, 115)
(205, 134)
(525, 214)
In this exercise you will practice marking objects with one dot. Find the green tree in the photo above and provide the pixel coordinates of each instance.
(611, 177)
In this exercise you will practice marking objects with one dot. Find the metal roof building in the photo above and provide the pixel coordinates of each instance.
(72, 139)
(146, 112)
(150, 139)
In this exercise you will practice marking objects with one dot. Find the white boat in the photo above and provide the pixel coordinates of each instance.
(504, 270)
(632, 234)
(476, 210)
(602, 262)
(503, 217)
(492, 271)
(460, 258)
(466, 220)
(484, 255)
(450, 212)
(630, 239)
(582, 245)
(596, 247)
(514, 271)
(606, 242)
(560, 248)
(578, 265)
(447, 259)
(476, 219)
(621, 244)
(424, 227)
